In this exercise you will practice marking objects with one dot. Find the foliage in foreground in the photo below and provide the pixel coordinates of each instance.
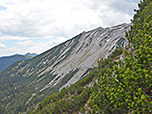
(127, 87)
(73, 99)
(119, 87)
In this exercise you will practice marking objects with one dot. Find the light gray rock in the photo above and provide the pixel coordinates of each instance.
(93, 45)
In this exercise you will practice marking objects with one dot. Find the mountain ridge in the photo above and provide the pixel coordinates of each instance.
(120, 83)
(6, 61)
(31, 54)
(60, 66)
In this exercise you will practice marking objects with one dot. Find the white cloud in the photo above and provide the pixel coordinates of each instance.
(32, 18)
(11, 37)
(2, 45)
(39, 46)
(26, 43)
(60, 19)
(9, 51)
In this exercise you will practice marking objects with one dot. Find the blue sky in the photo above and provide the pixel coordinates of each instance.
(38, 25)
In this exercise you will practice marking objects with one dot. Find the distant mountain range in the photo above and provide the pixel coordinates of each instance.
(31, 54)
(64, 64)
(9, 60)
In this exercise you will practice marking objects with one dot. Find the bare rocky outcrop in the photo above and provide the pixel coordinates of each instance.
(91, 46)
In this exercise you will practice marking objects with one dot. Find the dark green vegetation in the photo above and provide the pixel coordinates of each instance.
(20, 84)
(120, 85)
(9, 60)
(73, 99)
(70, 99)
(127, 87)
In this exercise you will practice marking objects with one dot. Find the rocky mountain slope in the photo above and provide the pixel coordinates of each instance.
(26, 83)
(9, 60)
(91, 46)
(120, 84)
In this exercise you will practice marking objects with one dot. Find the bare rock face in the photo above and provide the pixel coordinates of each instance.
(90, 47)
(70, 61)
(34, 79)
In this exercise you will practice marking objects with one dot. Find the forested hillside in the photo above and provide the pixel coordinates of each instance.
(120, 84)
(26, 83)
(9, 60)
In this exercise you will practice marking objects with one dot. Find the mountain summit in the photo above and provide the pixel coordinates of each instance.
(30, 81)
(120, 83)
(31, 54)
